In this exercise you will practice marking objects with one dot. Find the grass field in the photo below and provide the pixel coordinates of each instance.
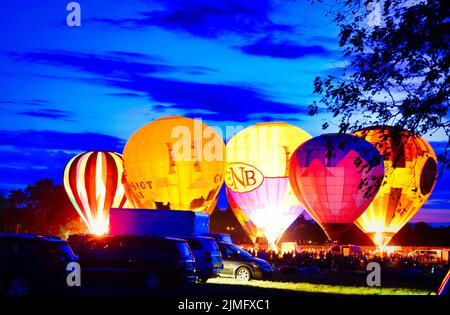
(320, 288)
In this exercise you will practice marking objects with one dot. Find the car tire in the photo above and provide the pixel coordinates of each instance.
(202, 279)
(243, 274)
(152, 281)
(18, 286)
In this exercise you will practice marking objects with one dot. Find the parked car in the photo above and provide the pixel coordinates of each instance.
(146, 260)
(77, 241)
(241, 265)
(220, 237)
(208, 260)
(31, 264)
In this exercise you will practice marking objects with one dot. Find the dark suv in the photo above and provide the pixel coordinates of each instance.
(32, 264)
(241, 265)
(145, 260)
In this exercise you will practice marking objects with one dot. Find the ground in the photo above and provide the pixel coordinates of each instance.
(315, 285)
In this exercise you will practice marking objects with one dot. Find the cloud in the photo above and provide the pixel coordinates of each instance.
(55, 140)
(27, 156)
(126, 94)
(208, 19)
(48, 113)
(108, 64)
(213, 101)
(269, 47)
(432, 216)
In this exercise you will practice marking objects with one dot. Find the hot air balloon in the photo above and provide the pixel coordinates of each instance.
(257, 176)
(93, 183)
(250, 229)
(410, 175)
(175, 163)
(336, 176)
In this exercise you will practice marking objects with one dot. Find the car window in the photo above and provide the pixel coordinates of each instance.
(211, 246)
(184, 249)
(56, 249)
(194, 244)
(227, 252)
(239, 251)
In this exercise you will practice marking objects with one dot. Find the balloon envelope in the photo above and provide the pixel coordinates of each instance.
(257, 176)
(93, 183)
(411, 172)
(175, 163)
(250, 229)
(336, 176)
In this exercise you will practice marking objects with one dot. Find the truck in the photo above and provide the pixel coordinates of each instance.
(157, 222)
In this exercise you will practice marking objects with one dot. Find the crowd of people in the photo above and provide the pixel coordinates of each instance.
(334, 259)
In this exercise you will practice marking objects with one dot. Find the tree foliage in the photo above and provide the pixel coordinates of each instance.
(41, 208)
(397, 67)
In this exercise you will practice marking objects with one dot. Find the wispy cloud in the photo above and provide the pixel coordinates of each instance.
(208, 19)
(48, 113)
(215, 101)
(269, 47)
(432, 216)
(55, 140)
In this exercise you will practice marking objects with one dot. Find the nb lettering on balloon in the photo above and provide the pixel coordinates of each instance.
(242, 177)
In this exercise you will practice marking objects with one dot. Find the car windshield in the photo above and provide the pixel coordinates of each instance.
(240, 251)
(57, 248)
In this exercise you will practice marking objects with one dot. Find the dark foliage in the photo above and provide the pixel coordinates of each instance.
(41, 208)
(398, 67)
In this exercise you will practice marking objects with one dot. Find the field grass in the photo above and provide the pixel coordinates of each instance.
(320, 288)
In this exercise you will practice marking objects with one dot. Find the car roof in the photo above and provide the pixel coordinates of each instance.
(195, 237)
(47, 238)
(136, 237)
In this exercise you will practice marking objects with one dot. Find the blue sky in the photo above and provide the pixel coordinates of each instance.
(66, 89)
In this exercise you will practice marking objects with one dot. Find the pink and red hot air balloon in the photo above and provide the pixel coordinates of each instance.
(93, 182)
(335, 177)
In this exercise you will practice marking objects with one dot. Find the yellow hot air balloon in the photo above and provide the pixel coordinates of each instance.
(410, 175)
(175, 163)
(257, 176)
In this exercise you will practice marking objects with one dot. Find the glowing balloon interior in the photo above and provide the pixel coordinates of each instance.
(93, 182)
(250, 229)
(411, 172)
(336, 176)
(175, 163)
(257, 176)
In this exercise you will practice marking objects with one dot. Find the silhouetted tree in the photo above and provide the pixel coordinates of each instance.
(398, 67)
(41, 208)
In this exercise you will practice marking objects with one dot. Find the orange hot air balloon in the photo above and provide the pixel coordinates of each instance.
(175, 163)
(93, 183)
(336, 176)
(410, 175)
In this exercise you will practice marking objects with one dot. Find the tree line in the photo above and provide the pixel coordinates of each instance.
(41, 208)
